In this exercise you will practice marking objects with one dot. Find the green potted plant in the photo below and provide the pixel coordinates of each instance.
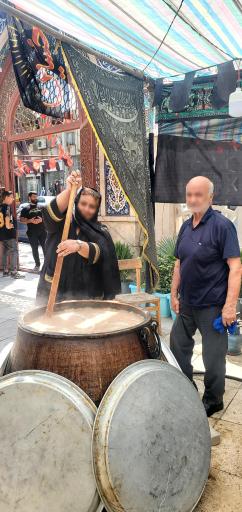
(166, 261)
(124, 252)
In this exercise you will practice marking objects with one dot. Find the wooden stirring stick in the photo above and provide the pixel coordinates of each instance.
(59, 261)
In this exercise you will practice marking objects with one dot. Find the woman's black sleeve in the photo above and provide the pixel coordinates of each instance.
(53, 218)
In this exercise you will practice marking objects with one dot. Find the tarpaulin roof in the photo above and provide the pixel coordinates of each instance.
(160, 37)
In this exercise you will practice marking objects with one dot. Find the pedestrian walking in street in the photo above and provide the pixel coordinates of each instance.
(32, 216)
(206, 284)
(8, 236)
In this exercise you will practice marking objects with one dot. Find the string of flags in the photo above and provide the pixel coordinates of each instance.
(29, 165)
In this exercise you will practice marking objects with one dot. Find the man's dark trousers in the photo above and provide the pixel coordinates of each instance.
(214, 347)
(35, 239)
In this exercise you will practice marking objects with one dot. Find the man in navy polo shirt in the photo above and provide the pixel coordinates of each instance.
(206, 284)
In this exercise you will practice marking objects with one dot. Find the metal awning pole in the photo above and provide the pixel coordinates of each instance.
(31, 20)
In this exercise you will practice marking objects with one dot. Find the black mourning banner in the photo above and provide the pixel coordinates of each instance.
(40, 70)
(179, 159)
(225, 84)
(115, 104)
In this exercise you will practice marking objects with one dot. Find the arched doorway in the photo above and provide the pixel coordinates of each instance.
(21, 127)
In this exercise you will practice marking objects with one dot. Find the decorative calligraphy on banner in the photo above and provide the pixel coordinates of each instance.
(114, 105)
(40, 70)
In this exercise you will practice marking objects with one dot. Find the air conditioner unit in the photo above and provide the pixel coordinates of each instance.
(41, 144)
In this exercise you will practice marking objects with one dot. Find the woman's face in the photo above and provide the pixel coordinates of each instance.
(87, 206)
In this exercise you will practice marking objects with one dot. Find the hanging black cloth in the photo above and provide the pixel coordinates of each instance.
(158, 93)
(81, 278)
(115, 104)
(181, 158)
(152, 168)
(39, 70)
(224, 85)
(180, 92)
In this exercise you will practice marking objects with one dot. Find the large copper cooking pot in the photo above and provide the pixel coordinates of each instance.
(91, 361)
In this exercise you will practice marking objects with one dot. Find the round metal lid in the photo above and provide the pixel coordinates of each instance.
(45, 445)
(151, 441)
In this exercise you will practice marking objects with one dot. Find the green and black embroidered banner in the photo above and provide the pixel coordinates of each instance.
(207, 97)
(114, 104)
(40, 70)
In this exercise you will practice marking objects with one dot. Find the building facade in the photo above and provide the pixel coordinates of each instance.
(37, 153)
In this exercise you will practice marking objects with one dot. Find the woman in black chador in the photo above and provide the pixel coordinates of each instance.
(90, 267)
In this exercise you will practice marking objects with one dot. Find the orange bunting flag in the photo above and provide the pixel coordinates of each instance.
(61, 152)
(20, 165)
(68, 160)
(52, 163)
(36, 165)
(26, 169)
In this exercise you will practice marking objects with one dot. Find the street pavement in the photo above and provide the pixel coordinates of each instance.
(16, 296)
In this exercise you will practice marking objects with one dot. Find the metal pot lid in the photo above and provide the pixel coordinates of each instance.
(151, 441)
(45, 445)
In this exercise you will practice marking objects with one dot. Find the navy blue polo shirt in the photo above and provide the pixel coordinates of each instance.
(203, 252)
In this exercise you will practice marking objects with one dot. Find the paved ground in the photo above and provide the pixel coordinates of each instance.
(233, 365)
(16, 296)
(223, 492)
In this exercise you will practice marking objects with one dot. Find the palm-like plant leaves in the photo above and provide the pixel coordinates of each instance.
(166, 260)
(166, 247)
(123, 252)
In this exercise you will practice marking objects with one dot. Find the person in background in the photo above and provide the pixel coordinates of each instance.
(206, 284)
(8, 237)
(32, 216)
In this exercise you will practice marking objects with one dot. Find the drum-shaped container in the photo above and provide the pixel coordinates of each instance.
(45, 445)
(151, 441)
(90, 359)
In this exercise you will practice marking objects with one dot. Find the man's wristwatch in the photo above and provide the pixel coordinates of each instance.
(79, 242)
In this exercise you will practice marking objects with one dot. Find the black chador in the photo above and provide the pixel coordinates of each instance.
(94, 278)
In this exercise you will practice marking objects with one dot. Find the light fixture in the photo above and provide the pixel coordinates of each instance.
(235, 99)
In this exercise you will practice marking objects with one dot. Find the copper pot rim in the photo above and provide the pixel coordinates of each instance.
(61, 305)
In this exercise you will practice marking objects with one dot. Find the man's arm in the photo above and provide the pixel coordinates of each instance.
(234, 284)
(24, 220)
(175, 287)
(8, 223)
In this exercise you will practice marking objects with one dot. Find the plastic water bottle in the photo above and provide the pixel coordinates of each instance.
(235, 103)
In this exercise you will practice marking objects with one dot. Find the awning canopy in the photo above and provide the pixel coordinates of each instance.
(160, 37)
